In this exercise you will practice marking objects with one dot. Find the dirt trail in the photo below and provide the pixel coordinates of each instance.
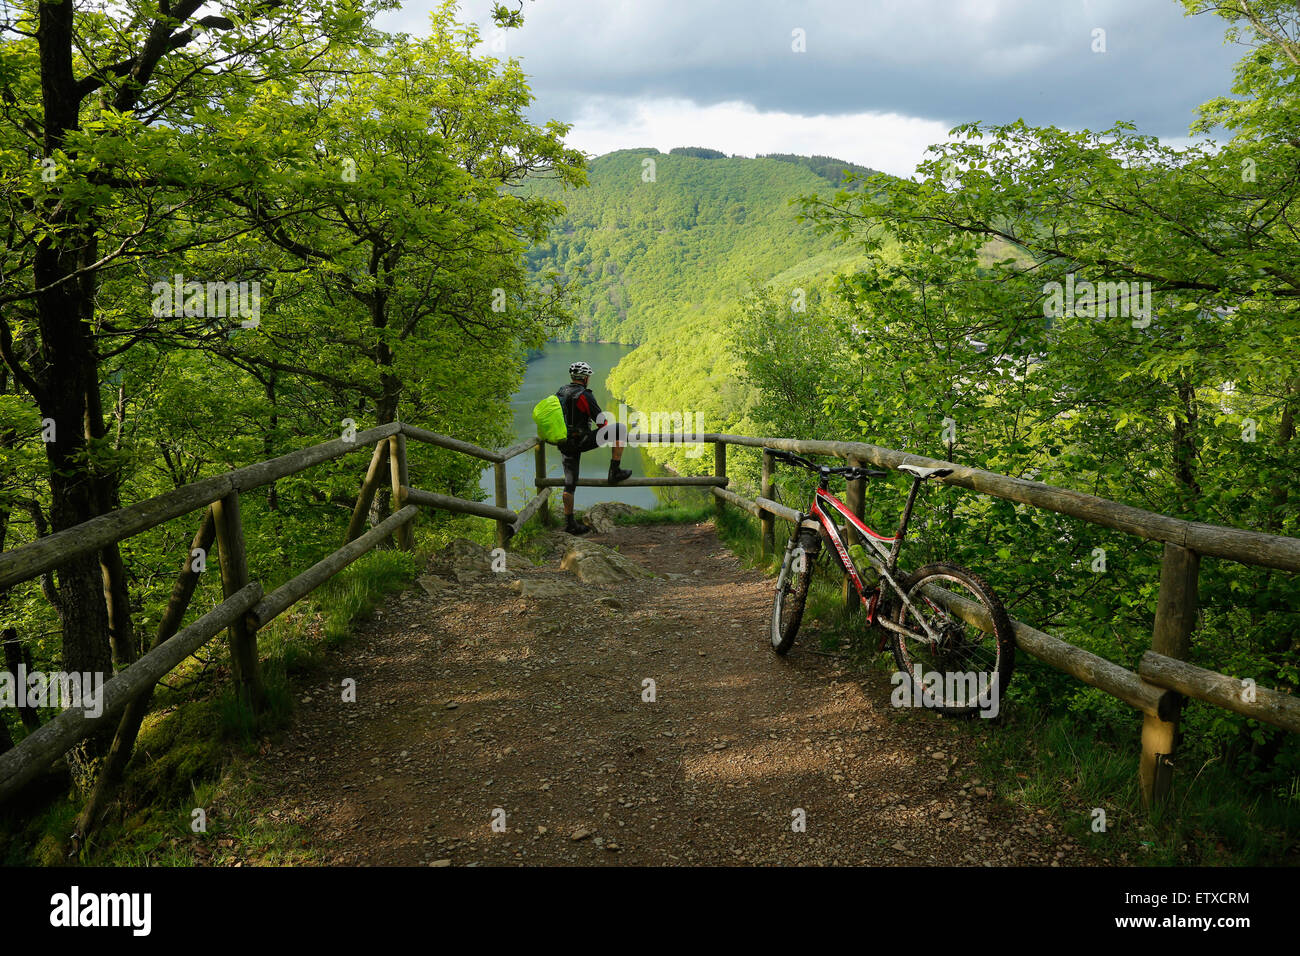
(478, 698)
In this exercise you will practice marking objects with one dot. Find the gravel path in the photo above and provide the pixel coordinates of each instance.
(491, 728)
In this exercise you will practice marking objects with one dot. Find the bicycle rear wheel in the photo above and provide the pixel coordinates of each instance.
(792, 590)
(973, 667)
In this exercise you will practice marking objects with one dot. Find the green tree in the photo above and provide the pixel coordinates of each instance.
(101, 157)
(402, 221)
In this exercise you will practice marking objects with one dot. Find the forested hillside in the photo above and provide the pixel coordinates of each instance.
(662, 248)
(654, 238)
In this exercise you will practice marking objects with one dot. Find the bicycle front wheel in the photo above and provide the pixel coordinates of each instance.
(791, 594)
(962, 668)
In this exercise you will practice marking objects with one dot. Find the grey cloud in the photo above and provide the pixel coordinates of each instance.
(946, 60)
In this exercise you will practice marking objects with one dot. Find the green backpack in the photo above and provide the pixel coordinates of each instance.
(549, 417)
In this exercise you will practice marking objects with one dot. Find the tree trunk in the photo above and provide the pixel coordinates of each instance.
(117, 597)
(1285, 432)
(391, 393)
(66, 373)
(1185, 451)
(268, 446)
(128, 727)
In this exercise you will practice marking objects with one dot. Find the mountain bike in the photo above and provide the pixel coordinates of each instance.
(931, 617)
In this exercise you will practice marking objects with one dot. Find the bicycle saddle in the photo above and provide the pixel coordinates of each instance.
(925, 472)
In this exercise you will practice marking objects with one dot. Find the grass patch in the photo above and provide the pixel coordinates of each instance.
(1046, 761)
(299, 640)
(674, 514)
(739, 531)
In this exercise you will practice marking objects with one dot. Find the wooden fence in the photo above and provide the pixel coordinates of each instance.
(245, 609)
(1157, 688)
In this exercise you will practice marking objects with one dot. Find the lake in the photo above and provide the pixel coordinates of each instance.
(543, 376)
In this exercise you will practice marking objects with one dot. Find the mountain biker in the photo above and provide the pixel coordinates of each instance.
(580, 413)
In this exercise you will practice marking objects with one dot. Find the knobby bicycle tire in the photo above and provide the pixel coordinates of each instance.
(791, 594)
(965, 650)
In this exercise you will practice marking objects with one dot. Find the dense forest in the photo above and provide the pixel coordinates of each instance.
(653, 237)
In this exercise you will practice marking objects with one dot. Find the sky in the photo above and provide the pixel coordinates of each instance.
(869, 81)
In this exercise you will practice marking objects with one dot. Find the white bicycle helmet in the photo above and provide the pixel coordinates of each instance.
(579, 370)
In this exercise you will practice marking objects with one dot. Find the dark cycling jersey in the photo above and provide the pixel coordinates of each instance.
(580, 411)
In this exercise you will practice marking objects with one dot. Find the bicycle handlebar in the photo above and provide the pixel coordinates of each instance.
(851, 473)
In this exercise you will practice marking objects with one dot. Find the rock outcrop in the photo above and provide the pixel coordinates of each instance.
(466, 561)
(594, 563)
(602, 518)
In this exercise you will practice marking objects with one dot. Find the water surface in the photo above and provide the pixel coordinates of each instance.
(543, 376)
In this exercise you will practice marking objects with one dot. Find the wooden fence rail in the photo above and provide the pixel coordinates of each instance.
(1230, 693)
(49, 552)
(1156, 690)
(1236, 544)
(658, 481)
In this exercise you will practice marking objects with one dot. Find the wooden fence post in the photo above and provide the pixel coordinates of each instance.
(766, 523)
(539, 472)
(503, 527)
(401, 481)
(719, 470)
(234, 578)
(366, 496)
(855, 498)
(1175, 619)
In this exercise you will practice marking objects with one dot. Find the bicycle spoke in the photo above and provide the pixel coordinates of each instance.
(959, 649)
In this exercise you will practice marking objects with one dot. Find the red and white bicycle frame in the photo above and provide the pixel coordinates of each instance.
(819, 511)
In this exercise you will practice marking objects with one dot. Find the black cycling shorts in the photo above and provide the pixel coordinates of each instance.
(569, 455)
